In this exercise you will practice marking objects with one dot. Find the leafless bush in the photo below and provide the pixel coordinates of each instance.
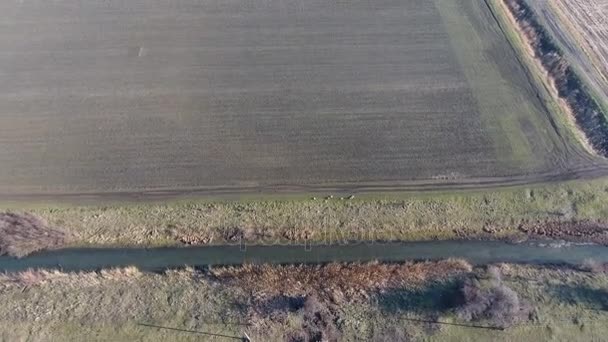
(489, 298)
(593, 266)
(319, 323)
(22, 234)
(278, 307)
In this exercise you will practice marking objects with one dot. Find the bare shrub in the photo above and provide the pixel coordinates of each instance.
(277, 307)
(489, 298)
(297, 336)
(319, 321)
(593, 266)
(22, 234)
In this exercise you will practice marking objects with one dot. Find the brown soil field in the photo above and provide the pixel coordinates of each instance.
(590, 19)
(581, 27)
(144, 97)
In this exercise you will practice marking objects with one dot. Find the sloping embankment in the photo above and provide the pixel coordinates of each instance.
(587, 113)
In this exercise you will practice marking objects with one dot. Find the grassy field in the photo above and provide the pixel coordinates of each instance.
(112, 305)
(504, 213)
(211, 94)
(568, 304)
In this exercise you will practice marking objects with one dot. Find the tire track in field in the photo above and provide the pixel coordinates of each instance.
(581, 173)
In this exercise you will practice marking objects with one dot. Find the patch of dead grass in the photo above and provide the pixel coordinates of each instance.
(33, 277)
(22, 234)
(336, 281)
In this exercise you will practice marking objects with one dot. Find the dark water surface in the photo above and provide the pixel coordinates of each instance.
(477, 252)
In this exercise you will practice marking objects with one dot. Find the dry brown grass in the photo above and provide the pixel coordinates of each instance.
(304, 299)
(312, 295)
(22, 234)
(33, 277)
(335, 281)
(487, 297)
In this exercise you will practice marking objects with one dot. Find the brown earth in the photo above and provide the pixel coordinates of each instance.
(575, 231)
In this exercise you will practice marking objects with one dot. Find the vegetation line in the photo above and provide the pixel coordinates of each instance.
(474, 326)
(570, 88)
(194, 332)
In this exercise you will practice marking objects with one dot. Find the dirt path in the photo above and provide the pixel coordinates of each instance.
(600, 169)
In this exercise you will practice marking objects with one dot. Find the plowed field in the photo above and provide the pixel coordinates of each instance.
(142, 95)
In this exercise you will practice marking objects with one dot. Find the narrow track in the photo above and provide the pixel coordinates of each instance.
(600, 169)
